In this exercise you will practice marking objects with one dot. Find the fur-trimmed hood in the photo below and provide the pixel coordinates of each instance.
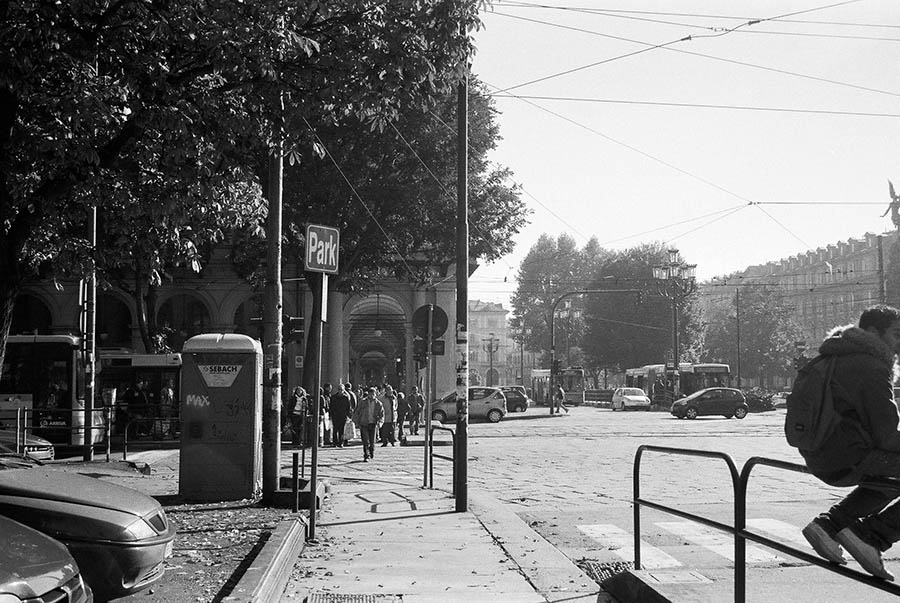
(850, 339)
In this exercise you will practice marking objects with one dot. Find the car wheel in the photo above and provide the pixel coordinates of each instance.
(519, 408)
(439, 415)
(690, 413)
(494, 416)
(740, 412)
(727, 416)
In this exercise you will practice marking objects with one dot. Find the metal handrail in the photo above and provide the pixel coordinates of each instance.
(739, 530)
(433, 456)
(739, 548)
(740, 524)
(23, 427)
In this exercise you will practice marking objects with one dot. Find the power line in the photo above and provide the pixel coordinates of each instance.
(679, 50)
(695, 15)
(697, 105)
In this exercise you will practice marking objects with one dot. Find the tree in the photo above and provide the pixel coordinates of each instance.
(622, 333)
(101, 101)
(392, 194)
(551, 268)
(767, 332)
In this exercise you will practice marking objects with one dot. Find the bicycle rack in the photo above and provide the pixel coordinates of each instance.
(431, 453)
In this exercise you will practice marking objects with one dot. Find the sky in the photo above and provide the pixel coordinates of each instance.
(744, 144)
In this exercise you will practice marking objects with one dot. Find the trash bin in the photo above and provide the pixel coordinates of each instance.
(221, 418)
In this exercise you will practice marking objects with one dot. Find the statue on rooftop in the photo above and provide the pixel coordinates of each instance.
(894, 207)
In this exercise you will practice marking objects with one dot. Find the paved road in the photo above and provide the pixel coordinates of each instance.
(570, 478)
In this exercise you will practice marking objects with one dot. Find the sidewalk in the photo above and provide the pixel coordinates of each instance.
(380, 536)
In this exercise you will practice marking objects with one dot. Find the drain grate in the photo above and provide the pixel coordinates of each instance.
(349, 598)
(601, 572)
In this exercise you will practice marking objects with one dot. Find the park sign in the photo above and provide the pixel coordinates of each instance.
(322, 246)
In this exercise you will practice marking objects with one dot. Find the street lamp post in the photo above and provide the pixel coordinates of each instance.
(553, 368)
(676, 281)
(491, 345)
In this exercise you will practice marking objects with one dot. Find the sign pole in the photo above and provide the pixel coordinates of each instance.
(314, 459)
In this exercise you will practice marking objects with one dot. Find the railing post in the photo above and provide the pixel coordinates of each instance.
(295, 483)
(636, 487)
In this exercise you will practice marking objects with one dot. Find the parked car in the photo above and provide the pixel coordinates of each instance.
(624, 398)
(36, 568)
(35, 447)
(516, 399)
(118, 536)
(484, 403)
(779, 399)
(724, 401)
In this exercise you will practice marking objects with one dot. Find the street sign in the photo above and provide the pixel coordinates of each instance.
(439, 321)
(322, 247)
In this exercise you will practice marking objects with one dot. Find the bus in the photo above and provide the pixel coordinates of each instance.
(120, 370)
(691, 377)
(42, 378)
(571, 379)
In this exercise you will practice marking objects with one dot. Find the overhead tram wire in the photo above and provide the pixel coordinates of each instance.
(667, 47)
(634, 149)
(629, 16)
(728, 210)
(697, 105)
(356, 194)
(506, 3)
(449, 196)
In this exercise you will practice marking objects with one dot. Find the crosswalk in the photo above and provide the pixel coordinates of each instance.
(620, 542)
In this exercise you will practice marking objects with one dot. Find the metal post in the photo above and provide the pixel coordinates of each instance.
(426, 392)
(295, 483)
(737, 304)
(462, 294)
(272, 336)
(90, 345)
(314, 459)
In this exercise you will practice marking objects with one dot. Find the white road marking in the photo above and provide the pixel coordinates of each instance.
(780, 529)
(716, 541)
(621, 543)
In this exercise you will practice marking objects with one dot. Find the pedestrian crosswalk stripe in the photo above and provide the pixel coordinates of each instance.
(716, 541)
(781, 530)
(621, 543)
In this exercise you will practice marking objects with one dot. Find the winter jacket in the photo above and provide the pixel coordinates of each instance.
(389, 403)
(862, 389)
(368, 412)
(339, 406)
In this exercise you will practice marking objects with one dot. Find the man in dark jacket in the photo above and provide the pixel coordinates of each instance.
(339, 409)
(866, 442)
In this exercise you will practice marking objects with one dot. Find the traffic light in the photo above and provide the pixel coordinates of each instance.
(293, 329)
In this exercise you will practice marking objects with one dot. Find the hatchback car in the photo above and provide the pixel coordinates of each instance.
(630, 397)
(118, 536)
(516, 400)
(484, 403)
(35, 447)
(723, 401)
(34, 567)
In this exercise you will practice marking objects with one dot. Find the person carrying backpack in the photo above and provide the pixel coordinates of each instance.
(861, 440)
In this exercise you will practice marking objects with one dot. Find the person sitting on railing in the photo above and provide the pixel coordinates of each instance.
(865, 443)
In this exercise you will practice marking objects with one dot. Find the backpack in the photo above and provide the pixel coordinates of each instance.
(811, 417)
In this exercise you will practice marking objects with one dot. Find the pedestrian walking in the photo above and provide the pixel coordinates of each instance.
(560, 396)
(354, 398)
(339, 409)
(324, 416)
(296, 411)
(865, 442)
(389, 403)
(402, 412)
(416, 405)
(368, 416)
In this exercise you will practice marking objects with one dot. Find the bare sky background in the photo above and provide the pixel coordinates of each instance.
(747, 143)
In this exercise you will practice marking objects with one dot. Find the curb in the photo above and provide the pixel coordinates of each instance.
(552, 575)
(268, 575)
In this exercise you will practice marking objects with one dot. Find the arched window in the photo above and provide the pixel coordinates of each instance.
(181, 317)
(30, 316)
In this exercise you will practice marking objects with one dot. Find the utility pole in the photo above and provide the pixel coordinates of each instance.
(272, 341)
(462, 295)
(89, 342)
(737, 305)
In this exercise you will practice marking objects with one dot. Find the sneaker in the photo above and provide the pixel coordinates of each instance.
(822, 539)
(868, 556)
